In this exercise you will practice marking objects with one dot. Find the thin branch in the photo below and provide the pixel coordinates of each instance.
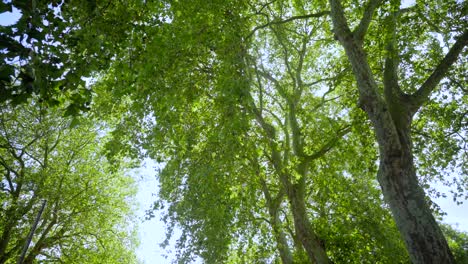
(278, 86)
(334, 78)
(423, 93)
(361, 29)
(324, 101)
(302, 53)
(329, 145)
(260, 90)
(286, 61)
(279, 22)
(10, 182)
(458, 84)
(265, 5)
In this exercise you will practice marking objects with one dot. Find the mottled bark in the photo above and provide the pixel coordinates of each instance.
(423, 238)
(311, 242)
(391, 119)
(295, 195)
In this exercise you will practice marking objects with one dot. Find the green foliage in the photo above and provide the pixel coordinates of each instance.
(89, 205)
(191, 100)
(458, 242)
(54, 46)
(243, 103)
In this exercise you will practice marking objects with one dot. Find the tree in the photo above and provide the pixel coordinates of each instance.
(391, 109)
(87, 217)
(226, 87)
(458, 242)
(237, 142)
(55, 45)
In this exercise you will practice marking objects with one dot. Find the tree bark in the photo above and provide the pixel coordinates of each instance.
(397, 175)
(295, 194)
(424, 240)
(312, 244)
(5, 239)
(31, 233)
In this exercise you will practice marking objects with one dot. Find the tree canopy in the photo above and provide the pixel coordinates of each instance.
(288, 131)
(87, 202)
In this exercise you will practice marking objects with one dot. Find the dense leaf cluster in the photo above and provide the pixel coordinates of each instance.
(88, 205)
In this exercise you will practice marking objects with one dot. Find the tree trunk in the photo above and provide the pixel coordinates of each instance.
(282, 242)
(312, 244)
(424, 240)
(6, 234)
(5, 239)
(397, 175)
(273, 205)
(295, 194)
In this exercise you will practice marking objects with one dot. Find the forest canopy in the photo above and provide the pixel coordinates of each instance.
(287, 131)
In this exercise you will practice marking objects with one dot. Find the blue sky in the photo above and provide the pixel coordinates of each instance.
(152, 233)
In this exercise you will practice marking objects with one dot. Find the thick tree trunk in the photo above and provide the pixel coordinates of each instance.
(424, 240)
(397, 175)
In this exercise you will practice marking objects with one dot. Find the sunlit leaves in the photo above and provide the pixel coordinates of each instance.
(88, 215)
(215, 90)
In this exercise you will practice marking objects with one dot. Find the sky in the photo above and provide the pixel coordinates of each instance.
(152, 233)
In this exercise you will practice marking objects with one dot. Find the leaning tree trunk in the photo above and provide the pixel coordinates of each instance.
(312, 244)
(421, 233)
(397, 175)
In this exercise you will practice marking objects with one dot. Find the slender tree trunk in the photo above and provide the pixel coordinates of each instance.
(31, 233)
(295, 194)
(5, 239)
(312, 244)
(273, 205)
(282, 242)
(304, 230)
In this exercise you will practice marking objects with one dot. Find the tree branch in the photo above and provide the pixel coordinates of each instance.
(361, 29)
(329, 145)
(423, 93)
(286, 60)
(278, 86)
(279, 22)
(334, 78)
(10, 182)
(340, 24)
(392, 89)
(302, 53)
